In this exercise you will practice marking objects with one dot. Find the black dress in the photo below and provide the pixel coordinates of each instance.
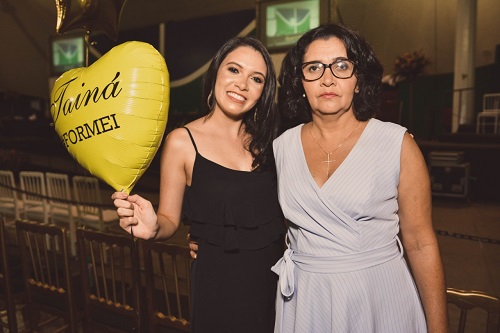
(236, 218)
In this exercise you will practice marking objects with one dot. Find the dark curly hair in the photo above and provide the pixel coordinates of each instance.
(262, 121)
(295, 109)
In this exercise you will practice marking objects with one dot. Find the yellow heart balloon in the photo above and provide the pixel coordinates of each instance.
(111, 116)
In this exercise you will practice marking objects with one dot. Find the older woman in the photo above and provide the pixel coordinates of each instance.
(349, 184)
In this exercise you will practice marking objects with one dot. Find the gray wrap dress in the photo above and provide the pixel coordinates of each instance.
(344, 269)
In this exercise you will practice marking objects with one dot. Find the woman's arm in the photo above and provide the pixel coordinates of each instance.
(176, 166)
(419, 238)
(138, 213)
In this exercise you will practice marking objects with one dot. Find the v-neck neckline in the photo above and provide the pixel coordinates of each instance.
(341, 165)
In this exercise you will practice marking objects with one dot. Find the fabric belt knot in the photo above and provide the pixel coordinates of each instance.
(285, 268)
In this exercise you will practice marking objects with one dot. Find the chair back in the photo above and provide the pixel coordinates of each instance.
(467, 300)
(34, 196)
(9, 202)
(89, 204)
(491, 102)
(110, 271)
(87, 195)
(46, 273)
(59, 193)
(6, 289)
(61, 211)
(168, 285)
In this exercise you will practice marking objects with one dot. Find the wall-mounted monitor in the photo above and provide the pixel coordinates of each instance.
(280, 23)
(67, 51)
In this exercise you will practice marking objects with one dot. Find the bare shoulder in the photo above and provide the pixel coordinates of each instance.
(177, 138)
(178, 144)
(410, 149)
(413, 163)
(178, 141)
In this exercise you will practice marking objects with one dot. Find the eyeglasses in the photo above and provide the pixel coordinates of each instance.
(340, 68)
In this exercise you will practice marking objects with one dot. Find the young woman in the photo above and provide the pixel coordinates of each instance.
(219, 171)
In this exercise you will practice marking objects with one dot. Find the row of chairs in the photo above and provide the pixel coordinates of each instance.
(103, 289)
(111, 283)
(48, 198)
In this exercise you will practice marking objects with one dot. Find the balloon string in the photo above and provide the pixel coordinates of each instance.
(133, 255)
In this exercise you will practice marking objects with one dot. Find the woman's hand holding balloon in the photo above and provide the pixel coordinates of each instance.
(136, 212)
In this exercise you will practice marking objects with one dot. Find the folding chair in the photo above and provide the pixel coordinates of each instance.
(467, 300)
(491, 111)
(9, 201)
(34, 196)
(47, 276)
(61, 210)
(11, 291)
(111, 281)
(168, 285)
(89, 204)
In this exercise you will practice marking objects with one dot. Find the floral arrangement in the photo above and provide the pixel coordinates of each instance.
(410, 64)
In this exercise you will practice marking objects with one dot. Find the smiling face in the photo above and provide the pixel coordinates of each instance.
(240, 81)
(329, 95)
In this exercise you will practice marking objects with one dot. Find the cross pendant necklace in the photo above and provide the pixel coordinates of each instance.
(328, 160)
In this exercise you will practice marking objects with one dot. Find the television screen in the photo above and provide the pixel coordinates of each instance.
(283, 22)
(67, 52)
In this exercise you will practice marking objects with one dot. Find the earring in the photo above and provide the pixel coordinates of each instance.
(304, 95)
(255, 116)
(208, 101)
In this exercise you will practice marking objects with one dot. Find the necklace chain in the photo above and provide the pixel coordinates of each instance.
(328, 160)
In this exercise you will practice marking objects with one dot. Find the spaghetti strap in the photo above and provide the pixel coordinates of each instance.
(192, 140)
